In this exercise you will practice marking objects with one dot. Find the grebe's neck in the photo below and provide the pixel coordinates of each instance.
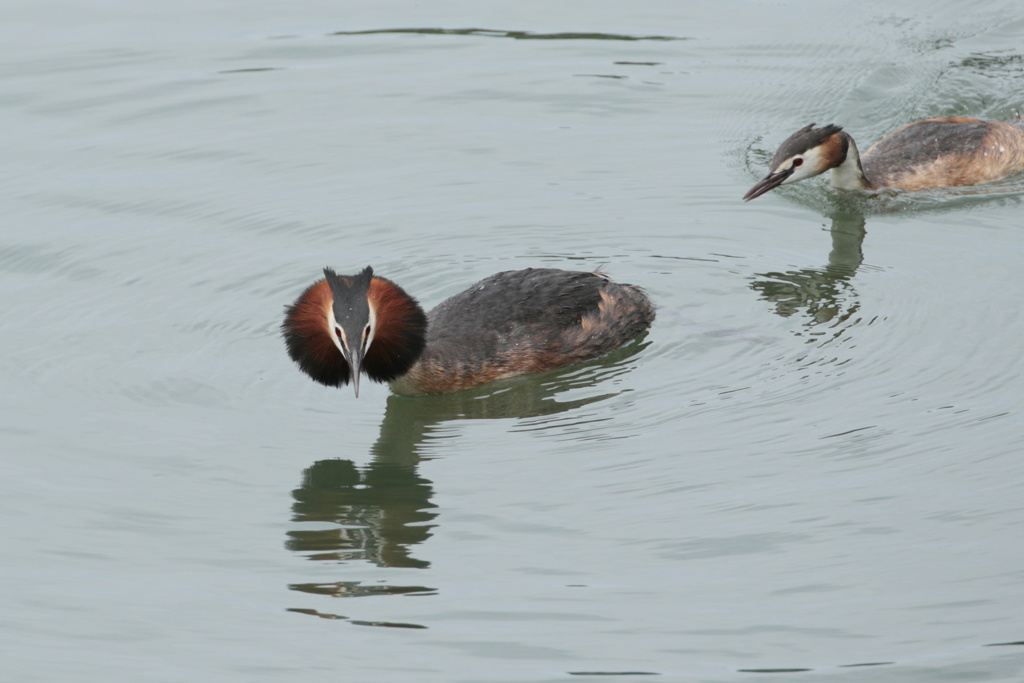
(849, 175)
(441, 368)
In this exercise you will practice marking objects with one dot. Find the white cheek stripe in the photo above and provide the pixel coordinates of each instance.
(814, 164)
(373, 328)
(332, 325)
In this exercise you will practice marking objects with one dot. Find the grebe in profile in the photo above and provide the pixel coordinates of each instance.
(512, 323)
(949, 151)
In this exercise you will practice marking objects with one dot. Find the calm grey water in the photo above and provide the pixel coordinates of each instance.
(809, 470)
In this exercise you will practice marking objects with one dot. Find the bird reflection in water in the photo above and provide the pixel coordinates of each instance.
(826, 294)
(377, 513)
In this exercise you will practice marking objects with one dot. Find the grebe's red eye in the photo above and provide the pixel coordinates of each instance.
(797, 162)
(337, 332)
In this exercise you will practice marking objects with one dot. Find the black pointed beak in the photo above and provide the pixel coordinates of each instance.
(768, 183)
(355, 366)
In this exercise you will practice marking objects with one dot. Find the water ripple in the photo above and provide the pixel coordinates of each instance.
(515, 35)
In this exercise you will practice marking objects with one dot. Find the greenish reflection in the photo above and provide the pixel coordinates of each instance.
(824, 295)
(379, 512)
(376, 512)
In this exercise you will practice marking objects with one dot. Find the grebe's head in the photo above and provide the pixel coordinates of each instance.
(350, 318)
(806, 153)
(345, 325)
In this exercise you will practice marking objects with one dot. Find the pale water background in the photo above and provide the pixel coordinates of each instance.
(813, 466)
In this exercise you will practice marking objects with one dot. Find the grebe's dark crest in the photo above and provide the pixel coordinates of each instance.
(512, 323)
(948, 151)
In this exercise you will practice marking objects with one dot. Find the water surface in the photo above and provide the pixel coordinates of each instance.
(808, 469)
